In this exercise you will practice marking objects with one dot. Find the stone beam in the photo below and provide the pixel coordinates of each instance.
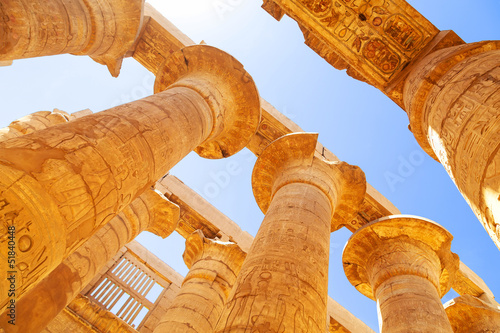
(376, 41)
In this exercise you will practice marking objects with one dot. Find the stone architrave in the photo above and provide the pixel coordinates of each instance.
(58, 186)
(213, 268)
(105, 30)
(469, 314)
(282, 286)
(404, 263)
(452, 98)
(149, 212)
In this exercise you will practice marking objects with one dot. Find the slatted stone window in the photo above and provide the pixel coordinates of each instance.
(128, 289)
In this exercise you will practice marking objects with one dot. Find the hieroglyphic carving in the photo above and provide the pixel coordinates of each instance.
(454, 117)
(377, 38)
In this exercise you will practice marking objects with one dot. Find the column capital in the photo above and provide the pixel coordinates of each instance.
(429, 76)
(400, 245)
(165, 213)
(291, 159)
(472, 315)
(228, 89)
(198, 247)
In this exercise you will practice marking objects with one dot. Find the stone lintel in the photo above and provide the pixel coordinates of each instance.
(468, 314)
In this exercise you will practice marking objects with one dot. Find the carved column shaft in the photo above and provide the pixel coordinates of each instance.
(397, 269)
(283, 284)
(151, 211)
(453, 101)
(104, 30)
(213, 267)
(284, 280)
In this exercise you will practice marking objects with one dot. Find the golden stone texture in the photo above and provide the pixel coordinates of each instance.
(453, 101)
(283, 283)
(151, 212)
(103, 29)
(468, 314)
(60, 185)
(213, 268)
(376, 41)
(405, 264)
(33, 122)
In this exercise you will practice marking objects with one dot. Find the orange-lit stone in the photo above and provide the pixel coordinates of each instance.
(213, 267)
(405, 264)
(453, 101)
(282, 286)
(151, 211)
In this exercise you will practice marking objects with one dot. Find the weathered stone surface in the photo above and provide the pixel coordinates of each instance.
(32, 122)
(86, 171)
(102, 29)
(374, 40)
(405, 264)
(453, 101)
(468, 314)
(283, 283)
(151, 211)
(213, 268)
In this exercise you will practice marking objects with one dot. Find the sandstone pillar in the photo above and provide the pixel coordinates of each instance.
(151, 211)
(405, 264)
(213, 267)
(60, 185)
(282, 286)
(453, 101)
(102, 29)
(468, 314)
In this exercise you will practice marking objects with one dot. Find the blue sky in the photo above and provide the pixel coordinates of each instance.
(354, 120)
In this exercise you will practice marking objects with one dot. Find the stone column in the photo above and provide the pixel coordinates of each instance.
(282, 286)
(469, 314)
(452, 98)
(151, 211)
(60, 185)
(213, 268)
(102, 29)
(405, 264)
